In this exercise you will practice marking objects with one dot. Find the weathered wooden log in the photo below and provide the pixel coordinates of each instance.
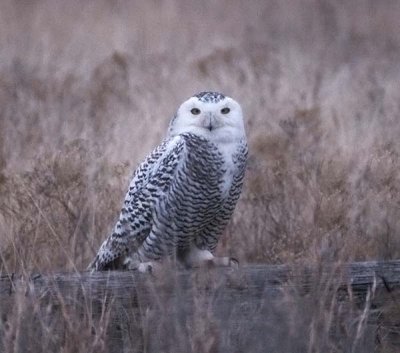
(257, 308)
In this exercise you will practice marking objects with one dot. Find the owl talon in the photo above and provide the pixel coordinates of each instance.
(148, 267)
(234, 263)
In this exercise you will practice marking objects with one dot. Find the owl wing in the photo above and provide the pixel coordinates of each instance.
(150, 182)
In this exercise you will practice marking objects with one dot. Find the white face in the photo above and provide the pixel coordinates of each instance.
(220, 121)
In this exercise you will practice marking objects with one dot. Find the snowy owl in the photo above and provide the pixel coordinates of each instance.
(183, 194)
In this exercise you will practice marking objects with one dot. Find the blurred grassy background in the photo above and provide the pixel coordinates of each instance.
(87, 90)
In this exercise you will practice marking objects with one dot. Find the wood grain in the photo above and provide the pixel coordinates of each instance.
(258, 308)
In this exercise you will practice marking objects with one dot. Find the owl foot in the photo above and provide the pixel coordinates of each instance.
(234, 263)
(146, 267)
(197, 257)
(225, 262)
(136, 265)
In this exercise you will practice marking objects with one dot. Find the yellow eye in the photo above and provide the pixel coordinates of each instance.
(195, 111)
(225, 110)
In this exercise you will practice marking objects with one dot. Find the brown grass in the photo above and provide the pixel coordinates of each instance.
(87, 90)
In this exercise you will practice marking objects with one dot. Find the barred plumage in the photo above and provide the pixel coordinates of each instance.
(183, 194)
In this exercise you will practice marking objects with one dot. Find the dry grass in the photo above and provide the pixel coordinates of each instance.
(87, 89)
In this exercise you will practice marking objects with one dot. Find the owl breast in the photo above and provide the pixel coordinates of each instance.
(230, 168)
(204, 169)
(198, 192)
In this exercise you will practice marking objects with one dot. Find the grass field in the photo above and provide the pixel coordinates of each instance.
(87, 90)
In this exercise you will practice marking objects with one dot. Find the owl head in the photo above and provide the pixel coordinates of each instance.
(211, 115)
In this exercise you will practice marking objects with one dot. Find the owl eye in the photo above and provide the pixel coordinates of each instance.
(225, 110)
(195, 111)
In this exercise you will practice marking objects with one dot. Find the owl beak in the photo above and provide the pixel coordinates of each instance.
(210, 121)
